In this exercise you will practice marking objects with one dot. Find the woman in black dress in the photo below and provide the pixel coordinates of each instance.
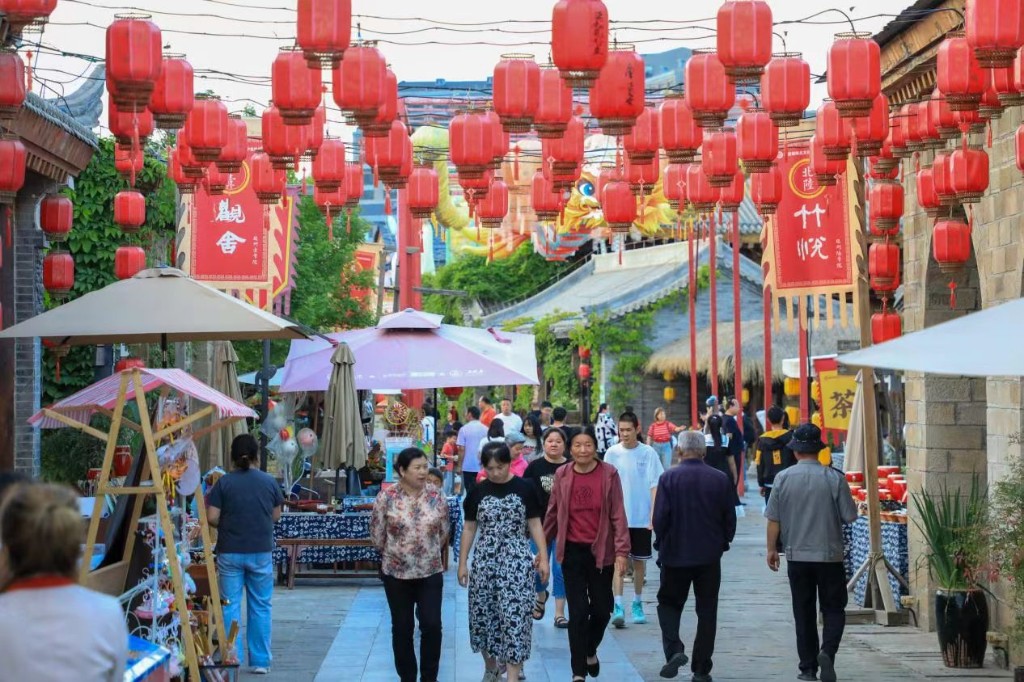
(542, 472)
(717, 454)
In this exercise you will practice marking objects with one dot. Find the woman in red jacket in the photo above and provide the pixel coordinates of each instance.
(588, 518)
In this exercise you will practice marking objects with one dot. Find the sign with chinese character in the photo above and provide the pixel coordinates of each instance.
(812, 242)
(367, 257)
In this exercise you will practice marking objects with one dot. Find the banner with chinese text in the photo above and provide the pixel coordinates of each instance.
(812, 243)
(367, 257)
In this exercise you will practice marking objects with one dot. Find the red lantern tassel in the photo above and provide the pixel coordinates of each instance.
(490, 247)
(988, 134)
(10, 221)
(622, 245)
(330, 223)
(387, 202)
(28, 84)
(952, 295)
(348, 222)
(376, 176)
(266, 218)
(970, 218)
(917, 163)
(515, 164)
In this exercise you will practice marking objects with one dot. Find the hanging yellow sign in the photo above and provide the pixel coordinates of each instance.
(837, 392)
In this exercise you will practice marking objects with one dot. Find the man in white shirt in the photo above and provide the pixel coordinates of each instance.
(509, 419)
(639, 468)
(468, 444)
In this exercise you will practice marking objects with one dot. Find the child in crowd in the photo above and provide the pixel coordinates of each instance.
(449, 453)
(434, 477)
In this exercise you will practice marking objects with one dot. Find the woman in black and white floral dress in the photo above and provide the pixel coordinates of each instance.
(507, 511)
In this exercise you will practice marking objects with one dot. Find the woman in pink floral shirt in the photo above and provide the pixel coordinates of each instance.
(410, 527)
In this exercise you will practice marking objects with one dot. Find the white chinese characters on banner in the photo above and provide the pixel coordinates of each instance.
(810, 247)
(226, 213)
(228, 242)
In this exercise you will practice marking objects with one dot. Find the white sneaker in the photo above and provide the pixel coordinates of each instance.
(260, 670)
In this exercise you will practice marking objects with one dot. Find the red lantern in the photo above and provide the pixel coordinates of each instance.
(951, 244)
(927, 197)
(699, 192)
(854, 73)
(476, 188)
(674, 184)
(268, 182)
(134, 59)
(897, 141)
(709, 92)
(619, 206)
(129, 211)
(12, 74)
(911, 120)
(958, 75)
(314, 134)
(681, 137)
(720, 159)
(295, 86)
(884, 166)
(579, 40)
(389, 154)
(885, 326)
(825, 170)
(546, 203)
(359, 82)
(56, 215)
(471, 143)
(125, 125)
(21, 14)
(380, 126)
(173, 93)
(175, 170)
(757, 141)
(189, 165)
(885, 202)
(491, 210)
(583, 371)
(942, 117)
(968, 172)
(832, 132)
(236, 149)
(884, 266)
(786, 88)
(129, 261)
(1005, 83)
(641, 176)
(216, 181)
(129, 162)
(323, 30)
(584, 353)
(283, 144)
(766, 190)
(12, 168)
(423, 191)
(329, 165)
(355, 184)
(331, 203)
(643, 141)
(995, 29)
(206, 128)
(566, 152)
(554, 105)
(943, 179)
(744, 39)
(516, 91)
(871, 131)
(452, 392)
(990, 107)
(617, 97)
(970, 121)
(500, 139)
(58, 273)
(731, 196)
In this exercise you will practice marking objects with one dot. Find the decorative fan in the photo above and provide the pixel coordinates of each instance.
(398, 414)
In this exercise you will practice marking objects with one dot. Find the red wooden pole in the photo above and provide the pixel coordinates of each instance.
(714, 304)
(692, 309)
(769, 399)
(737, 329)
(805, 407)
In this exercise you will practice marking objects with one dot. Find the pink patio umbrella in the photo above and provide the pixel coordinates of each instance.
(414, 350)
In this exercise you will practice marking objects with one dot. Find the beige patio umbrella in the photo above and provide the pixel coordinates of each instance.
(343, 442)
(217, 450)
(853, 453)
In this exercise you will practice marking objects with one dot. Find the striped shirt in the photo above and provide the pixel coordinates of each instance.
(661, 432)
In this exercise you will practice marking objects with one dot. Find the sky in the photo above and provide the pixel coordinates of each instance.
(231, 43)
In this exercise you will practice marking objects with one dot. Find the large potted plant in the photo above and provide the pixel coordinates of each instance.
(1006, 527)
(954, 524)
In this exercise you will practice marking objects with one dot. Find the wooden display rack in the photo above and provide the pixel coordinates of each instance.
(111, 578)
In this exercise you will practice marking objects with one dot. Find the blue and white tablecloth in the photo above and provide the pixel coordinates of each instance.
(858, 546)
(344, 525)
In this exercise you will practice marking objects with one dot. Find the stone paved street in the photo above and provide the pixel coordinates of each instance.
(336, 631)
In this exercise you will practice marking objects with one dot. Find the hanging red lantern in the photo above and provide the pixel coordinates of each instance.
(452, 392)
(995, 29)
(942, 117)
(323, 29)
(957, 73)
(355, 184)
(545, 201)
(709, 92)
(331, 203)
(175, 170)
(757, 140)
(23, 14)
(189, 165)
(619, 206)
(583, 371)
(674, 184)
(398, 177)
(491, 210)
(884, 266)
(968, 172)
(720, 160)
(644, 139)
(854, 73)
(928, 125)
(681, 137)
(56, 216)
(477, 188)
(943, 179)
(129, 211)
(58, 273)
(125, 125)
(927, 197)
(885, 204)
(471, 143)
(897, 141)
(173, 93)
(826, 170)
(134, 60)
(617, 97)
(313, 135)
(127, 161)
(584, 353)
(359, 82)
(990, 107)
(516, 91)
(951, 244)
(579, 40)
(872, 130)
(388, 154)
(566, 152)
(699, 192)
(129, 261)
(970, 121)
(295, 86)
(731, 196)
(833, 132)
(12, 168)
(206, 128)
(884, 165)
(744, 38)
(236, 149)
(766, 190)
(12, 74)
(885, 326)
(268, 182)
(786, 88)
(380, 126)
(283, 144)
(911, 121)
(216, 181)
(329, 165)
(500, 139)
(1006, 87)
(641, 176)
(423, 192)
(554, 105)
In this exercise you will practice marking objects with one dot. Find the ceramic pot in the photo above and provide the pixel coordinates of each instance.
(961, 620)
(122, 460)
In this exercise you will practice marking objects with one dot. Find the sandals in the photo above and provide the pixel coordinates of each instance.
(561, 622)
(539, 607)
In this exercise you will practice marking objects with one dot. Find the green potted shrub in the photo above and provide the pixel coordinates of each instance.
(1006, 530)
(954, 525)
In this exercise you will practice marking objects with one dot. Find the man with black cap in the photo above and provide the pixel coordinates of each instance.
(808, 506)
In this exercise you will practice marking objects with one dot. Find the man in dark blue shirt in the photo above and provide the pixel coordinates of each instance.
(694, 522)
